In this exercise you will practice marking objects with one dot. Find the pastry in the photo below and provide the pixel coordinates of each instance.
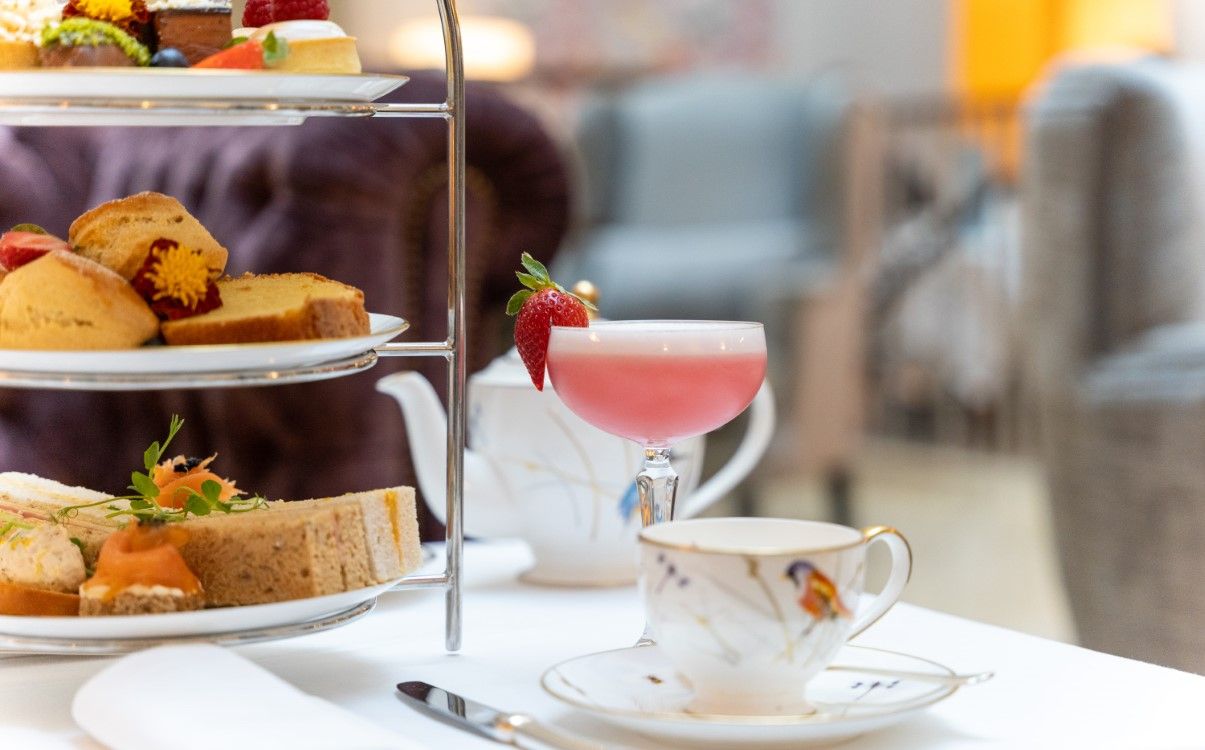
(275, 307)
(63, 301)
(119, 234)
(195, 28)
(313, 46)
(86, 42)
(21, 24)
(131, 16)
(141, 571)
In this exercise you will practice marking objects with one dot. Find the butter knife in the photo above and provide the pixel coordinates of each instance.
(517, 730)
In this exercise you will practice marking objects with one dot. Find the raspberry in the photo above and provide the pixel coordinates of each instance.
(264, 12)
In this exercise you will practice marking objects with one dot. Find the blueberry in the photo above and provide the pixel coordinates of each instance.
(169, 57)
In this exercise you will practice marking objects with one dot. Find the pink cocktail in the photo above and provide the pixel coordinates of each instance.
(657, 382)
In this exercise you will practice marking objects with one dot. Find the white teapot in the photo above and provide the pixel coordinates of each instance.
(534, 470)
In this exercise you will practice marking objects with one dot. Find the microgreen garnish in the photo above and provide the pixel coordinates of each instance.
(144, 506)
(276, 49)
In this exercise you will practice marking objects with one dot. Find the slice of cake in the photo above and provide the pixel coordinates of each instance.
(314, 46)
(196, 28)
(275, 307)
(119, 234)
(63, 301)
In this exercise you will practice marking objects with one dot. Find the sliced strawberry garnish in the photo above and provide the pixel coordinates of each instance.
(264, 12)
(26, 243)
(542, 305)
(252, 54)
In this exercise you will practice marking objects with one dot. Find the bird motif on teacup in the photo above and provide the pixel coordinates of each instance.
(818, 595)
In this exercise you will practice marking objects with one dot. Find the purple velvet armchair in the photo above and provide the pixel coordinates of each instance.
(360, 201)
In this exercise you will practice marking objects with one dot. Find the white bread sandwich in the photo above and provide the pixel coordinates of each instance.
(33, 499)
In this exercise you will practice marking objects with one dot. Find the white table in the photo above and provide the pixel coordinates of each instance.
(1045, 694)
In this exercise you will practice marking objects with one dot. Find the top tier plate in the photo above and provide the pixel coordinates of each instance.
(178, 96)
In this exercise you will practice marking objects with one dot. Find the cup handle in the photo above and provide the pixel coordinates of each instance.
(901, 571)
(753, 445)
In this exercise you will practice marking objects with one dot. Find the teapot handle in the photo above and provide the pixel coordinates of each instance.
(753, 445)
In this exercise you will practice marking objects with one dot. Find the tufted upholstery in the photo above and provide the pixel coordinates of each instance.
(360, 201)
(1114, 281)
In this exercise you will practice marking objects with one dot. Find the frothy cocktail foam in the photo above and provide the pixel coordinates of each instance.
(678, 338)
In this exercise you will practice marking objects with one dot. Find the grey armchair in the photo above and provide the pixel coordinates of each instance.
(1114, 347)
(724, 196)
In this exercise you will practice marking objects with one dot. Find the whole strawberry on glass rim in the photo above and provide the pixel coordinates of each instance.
(540, 306)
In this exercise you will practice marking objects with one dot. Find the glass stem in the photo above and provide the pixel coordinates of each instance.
(657, 486)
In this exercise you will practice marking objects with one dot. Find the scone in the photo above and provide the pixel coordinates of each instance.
(119, 234)
(275, 307)
(63, 301)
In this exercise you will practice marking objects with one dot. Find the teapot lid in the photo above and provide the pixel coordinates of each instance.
(506, 371)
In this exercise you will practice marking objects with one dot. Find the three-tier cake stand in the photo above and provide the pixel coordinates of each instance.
(105, 108)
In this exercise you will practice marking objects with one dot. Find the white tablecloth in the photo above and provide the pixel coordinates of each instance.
(1045, 694)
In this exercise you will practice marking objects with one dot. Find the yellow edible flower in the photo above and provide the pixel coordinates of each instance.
(106, 10)
(179, 274)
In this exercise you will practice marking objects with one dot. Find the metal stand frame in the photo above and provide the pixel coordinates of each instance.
(452, 349)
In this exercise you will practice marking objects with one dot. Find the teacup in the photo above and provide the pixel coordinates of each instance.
(749, 609)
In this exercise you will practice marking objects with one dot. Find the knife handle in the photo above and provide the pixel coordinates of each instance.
(529, 734)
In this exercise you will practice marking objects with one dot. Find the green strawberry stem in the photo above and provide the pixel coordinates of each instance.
(536, 279)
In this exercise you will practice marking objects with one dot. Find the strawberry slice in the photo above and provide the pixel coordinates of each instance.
(25, 243)
(539, 307)
(251, 54)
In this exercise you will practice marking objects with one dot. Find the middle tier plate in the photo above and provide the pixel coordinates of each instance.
(191, 360)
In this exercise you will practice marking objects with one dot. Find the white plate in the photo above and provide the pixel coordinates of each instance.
(639, 689)
(165, 360)
(192, 84)
(189, 624)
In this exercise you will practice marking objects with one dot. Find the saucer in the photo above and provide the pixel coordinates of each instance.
(638, 688)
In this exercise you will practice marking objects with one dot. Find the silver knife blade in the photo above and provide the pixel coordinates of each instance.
(456, 710)
(514, 729)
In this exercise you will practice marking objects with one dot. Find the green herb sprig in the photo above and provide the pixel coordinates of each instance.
(143, 506)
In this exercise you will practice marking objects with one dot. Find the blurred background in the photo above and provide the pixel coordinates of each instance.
(975, 230)
(967, 225)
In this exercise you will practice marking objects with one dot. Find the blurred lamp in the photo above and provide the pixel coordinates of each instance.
(495, 49)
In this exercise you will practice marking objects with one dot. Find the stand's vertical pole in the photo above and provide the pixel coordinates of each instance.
(456, 325)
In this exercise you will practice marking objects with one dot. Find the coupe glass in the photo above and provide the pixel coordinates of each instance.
(657, 382)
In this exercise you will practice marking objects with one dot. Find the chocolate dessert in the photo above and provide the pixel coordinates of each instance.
(196, 33)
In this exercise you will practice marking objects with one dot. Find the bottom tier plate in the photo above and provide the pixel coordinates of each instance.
(223, 626)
